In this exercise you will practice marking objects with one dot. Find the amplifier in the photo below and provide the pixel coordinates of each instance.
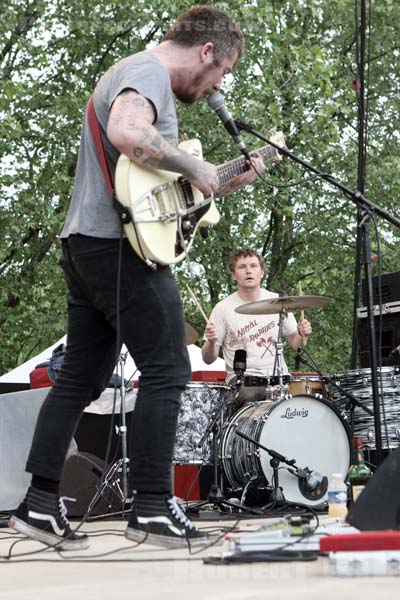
(387, 332)
(389, 284)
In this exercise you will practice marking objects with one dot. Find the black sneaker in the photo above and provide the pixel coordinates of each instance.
(42, 517)
(160, 520)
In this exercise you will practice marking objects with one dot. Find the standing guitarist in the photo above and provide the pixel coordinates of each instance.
(115, 297)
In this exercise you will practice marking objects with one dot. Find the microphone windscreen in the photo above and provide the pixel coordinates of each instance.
(215, 100)
(239, 361)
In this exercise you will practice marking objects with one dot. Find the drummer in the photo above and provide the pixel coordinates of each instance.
(256, 334)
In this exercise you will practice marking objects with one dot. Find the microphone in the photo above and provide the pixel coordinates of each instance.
(239, 365)
(311, 481)
(217, 102)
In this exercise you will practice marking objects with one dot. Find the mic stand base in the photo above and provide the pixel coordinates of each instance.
(277, 497)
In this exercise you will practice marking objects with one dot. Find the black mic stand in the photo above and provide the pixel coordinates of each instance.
(277, 495)
(367, 209)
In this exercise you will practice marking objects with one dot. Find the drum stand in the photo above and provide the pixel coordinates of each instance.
(352, 401)
(111, 479)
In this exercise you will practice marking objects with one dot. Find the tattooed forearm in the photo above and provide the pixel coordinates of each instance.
(132, 132)
(173, 159)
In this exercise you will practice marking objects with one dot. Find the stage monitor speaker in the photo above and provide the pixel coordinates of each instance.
(378, 506)
(81, 479)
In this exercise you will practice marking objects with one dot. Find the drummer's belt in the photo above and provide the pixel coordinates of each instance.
(253, 380)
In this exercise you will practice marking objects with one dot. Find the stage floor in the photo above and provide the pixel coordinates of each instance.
(115, 568)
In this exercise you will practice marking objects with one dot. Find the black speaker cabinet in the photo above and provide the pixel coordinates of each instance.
(81, 479)
(378, 506)
(388, 284)
(390, 339)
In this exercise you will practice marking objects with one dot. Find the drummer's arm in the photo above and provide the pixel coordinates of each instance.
(210, 349)
(299, 338)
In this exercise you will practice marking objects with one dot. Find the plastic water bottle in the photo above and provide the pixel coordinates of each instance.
(337, 497)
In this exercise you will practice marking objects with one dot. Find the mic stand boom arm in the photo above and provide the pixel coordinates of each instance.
(368, 209)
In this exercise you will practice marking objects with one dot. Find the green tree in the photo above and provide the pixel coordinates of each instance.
(296, 76)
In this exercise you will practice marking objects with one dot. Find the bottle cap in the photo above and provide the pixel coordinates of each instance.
(357, 441)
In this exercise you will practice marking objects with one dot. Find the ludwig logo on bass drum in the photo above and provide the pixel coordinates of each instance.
(291, 413)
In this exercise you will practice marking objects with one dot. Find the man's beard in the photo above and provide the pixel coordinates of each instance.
(190, 96)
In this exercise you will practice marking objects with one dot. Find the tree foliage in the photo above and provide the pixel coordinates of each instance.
(297, 76)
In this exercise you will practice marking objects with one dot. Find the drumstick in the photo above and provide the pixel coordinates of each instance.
(301, 316)
(197, 303)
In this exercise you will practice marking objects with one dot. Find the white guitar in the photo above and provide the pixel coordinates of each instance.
(166, 209)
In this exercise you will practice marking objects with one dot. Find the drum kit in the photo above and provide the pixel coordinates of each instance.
(287, 445)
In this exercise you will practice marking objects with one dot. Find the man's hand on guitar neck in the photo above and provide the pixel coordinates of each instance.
(244, 178)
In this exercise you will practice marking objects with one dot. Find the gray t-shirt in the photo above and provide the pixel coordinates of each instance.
(91, 211)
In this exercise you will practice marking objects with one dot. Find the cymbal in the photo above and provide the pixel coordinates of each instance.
(191, 334)
(284, 303)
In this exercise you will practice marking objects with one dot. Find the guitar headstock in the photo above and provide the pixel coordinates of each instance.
(278, 138)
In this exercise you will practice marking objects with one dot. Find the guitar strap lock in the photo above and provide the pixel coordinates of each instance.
(124, 212)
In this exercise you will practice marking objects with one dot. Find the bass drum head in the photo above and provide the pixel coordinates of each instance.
(311, 431)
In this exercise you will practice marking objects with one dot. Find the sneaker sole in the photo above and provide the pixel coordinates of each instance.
(47, 538)
(164, 541)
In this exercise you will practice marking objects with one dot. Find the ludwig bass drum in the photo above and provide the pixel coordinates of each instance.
(307, 429)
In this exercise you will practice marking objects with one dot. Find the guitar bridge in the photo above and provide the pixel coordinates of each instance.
(163, 203)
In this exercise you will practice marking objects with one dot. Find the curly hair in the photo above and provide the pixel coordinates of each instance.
(244, 253)
(201, 24)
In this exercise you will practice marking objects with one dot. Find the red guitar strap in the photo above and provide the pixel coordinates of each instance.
(98, 142)
(94, 126)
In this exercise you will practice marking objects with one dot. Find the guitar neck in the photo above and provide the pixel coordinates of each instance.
(237, 166)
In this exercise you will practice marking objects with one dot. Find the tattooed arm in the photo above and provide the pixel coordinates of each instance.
(130, 129)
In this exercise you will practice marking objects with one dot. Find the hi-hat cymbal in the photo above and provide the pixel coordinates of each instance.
(191, 334)
(284, 303)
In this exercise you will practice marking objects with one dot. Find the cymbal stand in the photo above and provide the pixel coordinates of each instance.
(111, 478)
(122, 429)
(279, 346)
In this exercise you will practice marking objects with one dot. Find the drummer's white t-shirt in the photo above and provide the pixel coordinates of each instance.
(254, 333)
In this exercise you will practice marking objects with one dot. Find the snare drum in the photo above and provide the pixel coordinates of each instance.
(306, 383)
(359, 383)
(307, 429)
(200, 401)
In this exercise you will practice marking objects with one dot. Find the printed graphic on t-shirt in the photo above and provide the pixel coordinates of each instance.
(254, 334)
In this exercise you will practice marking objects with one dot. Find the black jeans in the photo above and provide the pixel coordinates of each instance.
(152, 327)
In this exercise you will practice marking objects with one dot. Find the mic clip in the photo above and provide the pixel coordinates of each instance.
(239, 379)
